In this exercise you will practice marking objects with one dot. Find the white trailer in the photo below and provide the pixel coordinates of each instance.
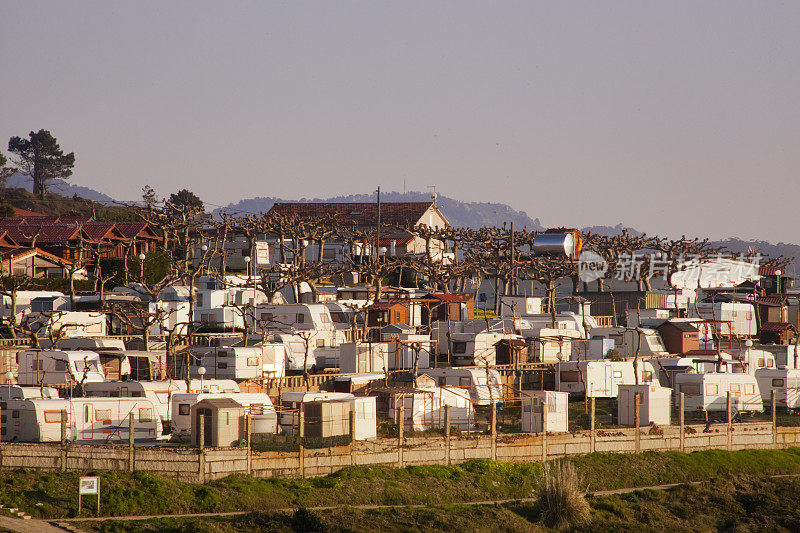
(557, 406)
(88, 420)
(68, 324)
(784, 381)
(17, 392)
(363, 357)
(483, 387)
(601, 379)
(477, 349)
(654, 405)
(256, 403)
(292, 402)
(424, 408)
(709, 392)
(243, 362)
(158, 392)
(56, 367)
(731, 318)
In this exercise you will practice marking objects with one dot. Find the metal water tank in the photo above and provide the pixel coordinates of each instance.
(553, 244)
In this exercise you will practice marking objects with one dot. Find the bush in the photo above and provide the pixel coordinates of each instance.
(560, 497)
(304, 520)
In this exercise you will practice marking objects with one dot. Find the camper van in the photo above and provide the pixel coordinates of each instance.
(784, 381)
(16, 392)
(55, 367)
(88, 420)
(481, 391)
(244, 362)
(254, 402)
(709, 391)
(601, 378)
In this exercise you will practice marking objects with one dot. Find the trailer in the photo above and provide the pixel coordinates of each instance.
(484, 386)
(88, 420)
(601, 378)
(424, 408)
(256, 403)
(709, 391)
(158, 392)
(477, 349)
(785, 382)
(56, 367)
(243, 362)
(17, 392)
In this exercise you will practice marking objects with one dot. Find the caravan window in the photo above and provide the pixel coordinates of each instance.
(749, 388)
(777, 382)
(735, 387)
(320, 343)
(464, 382)
(15, 414)
(647, 376)
(102, 414)
(570, 375)
(712, 389)
(617, 374)
(460, 347)
(266, 317)
(770, 363)
(252, 361)
(760, 362)
(37, 365)
(145, 414)
(86, 411)
(52, 417)
(184, 408)
(61, 366)
(300, 318)
(222, 366)
(441, 381)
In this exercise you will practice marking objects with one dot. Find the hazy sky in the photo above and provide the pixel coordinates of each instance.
(673, 117)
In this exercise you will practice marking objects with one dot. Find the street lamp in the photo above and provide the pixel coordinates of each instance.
(778, 279)
(202, 372)
(141, 266)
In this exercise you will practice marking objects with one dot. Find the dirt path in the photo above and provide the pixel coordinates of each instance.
(18, 525)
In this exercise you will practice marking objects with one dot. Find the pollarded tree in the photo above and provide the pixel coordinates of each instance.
(41, 158)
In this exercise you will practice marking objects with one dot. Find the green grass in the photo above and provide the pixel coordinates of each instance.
(141, 493)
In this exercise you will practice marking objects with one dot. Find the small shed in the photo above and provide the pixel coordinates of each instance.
(387, 312)
(224, 421)
(511, 351)
(327, 418)
(654, 405)
(555, 402)
(679, 337)
(778, 333)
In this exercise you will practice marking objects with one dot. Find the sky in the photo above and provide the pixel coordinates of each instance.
(672, 117)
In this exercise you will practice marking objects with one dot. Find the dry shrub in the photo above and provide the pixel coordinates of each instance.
(560, 496)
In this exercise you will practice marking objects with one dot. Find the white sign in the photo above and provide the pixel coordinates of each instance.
(89, 485)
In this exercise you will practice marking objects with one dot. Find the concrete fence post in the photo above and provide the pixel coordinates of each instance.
(201, 455)
(592, 444)
(637, 424)
(353, 460)
(728, 405)
(544, 432)
(447, 434)
(63, 440)
(131, 434)
(248, 431)
(774, 419)
(530, 418)
(681, 422)
(301, 432)
(493, 430)
(401, 422)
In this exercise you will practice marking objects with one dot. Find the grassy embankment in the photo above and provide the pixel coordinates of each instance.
(53, 495)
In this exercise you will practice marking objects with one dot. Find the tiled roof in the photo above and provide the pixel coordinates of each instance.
(771, 270)
(357, 213)
(776, 327)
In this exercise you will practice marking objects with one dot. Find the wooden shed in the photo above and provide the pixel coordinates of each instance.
(679, 337)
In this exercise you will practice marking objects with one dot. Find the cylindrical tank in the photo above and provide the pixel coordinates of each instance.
(554, 244)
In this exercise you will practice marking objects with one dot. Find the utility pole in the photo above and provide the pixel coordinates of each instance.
(378, 232)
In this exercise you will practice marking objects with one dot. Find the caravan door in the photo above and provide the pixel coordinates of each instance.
(87, 422)
(608, 379)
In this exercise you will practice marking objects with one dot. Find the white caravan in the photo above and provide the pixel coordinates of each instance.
(55, 367)
(255, 403)
(731, 318)
(477, 349)
(601, 378)
(482, 389)
(243, 362)
(654, 405)
(709, 392)
(784, 381)
(88, 420)
(557, 411)
(16, 392)
(423, 408)
(644, 342)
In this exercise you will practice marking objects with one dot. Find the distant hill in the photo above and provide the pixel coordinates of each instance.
(460, 214)
(610, 231)
(60, 187)
(57, 205)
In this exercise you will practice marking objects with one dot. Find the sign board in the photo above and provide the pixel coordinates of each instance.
(90, 485)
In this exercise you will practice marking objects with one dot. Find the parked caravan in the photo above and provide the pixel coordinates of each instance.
(16, 392)
(654, 405)
(483, 387)
(601, 378)
(291, 402)
(785, 382)
(243, 362)
(67, 324)
(363, 357)
(423, 408)
(728, 318)
(708, 392)
(644, 342)
(552, 345)
(88, 420)
(91, 343)
(255, 403)
(557, 406)
(352, 383)
(158, 392)
(55, 367)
